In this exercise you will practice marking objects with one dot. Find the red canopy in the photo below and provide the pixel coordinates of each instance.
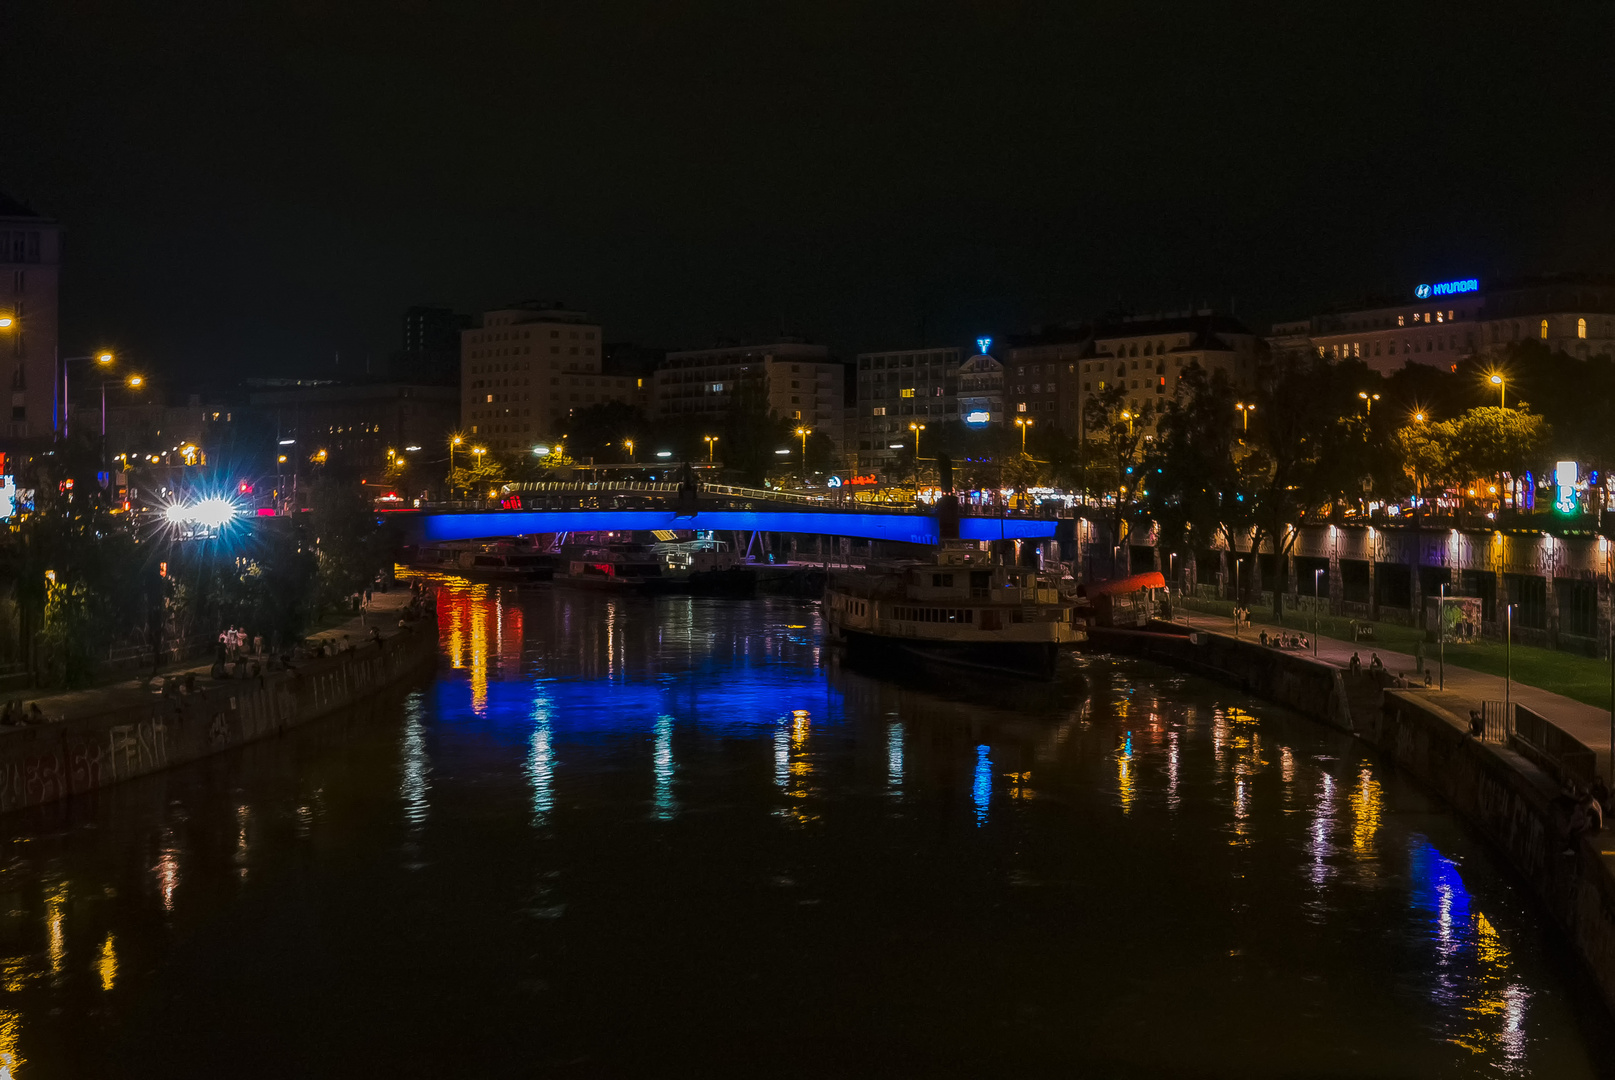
(1153, 579)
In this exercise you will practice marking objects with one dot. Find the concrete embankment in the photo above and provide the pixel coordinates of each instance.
(1499, 791)
(140, 733)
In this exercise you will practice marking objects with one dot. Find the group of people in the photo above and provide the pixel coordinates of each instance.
(1280, 641)
(236, 643)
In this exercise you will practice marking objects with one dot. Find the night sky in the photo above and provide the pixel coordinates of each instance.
(251, 187)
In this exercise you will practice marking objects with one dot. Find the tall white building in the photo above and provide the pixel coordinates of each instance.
(526, 369)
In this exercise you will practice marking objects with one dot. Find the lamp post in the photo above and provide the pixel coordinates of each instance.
(916, 429)
(1368, 399)
(1497, 380)
(1245, 411)
(103, 359)
(1129, 418)
(1441, 634)
(712, 443)
(629, 443)
(454, 440)
(802, 433)
(1023, 423)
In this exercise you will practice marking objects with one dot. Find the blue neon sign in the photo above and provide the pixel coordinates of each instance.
(1448, 288)
(984, 343)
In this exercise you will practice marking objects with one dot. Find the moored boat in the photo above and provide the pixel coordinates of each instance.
(962, 607)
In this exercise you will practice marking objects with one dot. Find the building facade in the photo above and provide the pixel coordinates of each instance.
(799, 382)
(526, 369)
(1042, 373)
(1441, 324)
(431, 352)
(30, 269)
(359, 427)
(894, 390)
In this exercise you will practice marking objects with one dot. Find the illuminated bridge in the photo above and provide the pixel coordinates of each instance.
(434, 527)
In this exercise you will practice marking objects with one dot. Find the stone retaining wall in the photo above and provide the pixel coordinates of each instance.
(1512, 802)
(52, 761)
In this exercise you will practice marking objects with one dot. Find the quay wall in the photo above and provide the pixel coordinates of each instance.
(1508, 799)
(133, 737)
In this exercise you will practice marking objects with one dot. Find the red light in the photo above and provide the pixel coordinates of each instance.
(246, 488)
(266, 511)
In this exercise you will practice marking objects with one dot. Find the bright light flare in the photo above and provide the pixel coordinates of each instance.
(210, 513)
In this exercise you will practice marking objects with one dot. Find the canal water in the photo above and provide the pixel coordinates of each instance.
(656, 837)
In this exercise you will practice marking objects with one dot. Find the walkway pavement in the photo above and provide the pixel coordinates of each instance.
(383, 612)
(1587, 723)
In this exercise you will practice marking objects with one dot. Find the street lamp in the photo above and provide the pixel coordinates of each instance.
(802, 433)
(1129, 418)
(1244, 415)
(1369, 399)
(103, 358)
(916, 429)
(1023, 424)
(629, 443)
(1496, 379)
(712, 443)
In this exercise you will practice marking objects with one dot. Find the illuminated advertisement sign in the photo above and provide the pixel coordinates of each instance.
(977, 417)
(1447, 288)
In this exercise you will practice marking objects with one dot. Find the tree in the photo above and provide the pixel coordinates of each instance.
(752, 432)
(1192, 478)
(1119, 431)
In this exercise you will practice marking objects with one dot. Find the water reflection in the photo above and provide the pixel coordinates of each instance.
(666, 807)
(989, 836)
(981, 787)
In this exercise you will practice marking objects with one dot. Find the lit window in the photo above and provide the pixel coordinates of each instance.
(1581, 329)
(907, 392)
(1401, 320)
(1544, 329)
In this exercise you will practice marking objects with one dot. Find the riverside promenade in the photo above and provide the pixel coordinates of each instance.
(1463, 687)
(90, 739)
(383, 612)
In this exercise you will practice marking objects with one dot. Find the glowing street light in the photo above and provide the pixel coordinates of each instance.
(629, 443)
(1023, 423)
(1368, 399)
(6, 321)
(712, 443)
(1129, 418)
(1496, 379)
(803, 433)
(1245, 411)
(1418, 417)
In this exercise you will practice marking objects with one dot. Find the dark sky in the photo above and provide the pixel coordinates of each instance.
(251, 186)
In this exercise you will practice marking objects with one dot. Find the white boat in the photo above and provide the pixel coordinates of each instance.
(704, 566)
(962, 607)
(498, 562)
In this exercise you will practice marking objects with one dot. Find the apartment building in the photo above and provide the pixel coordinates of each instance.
(526, 369)
(30, 267)
(1440, 324)
(895, 389)
(799, 382)
(1147, 356)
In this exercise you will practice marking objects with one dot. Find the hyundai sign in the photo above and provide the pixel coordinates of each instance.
(1447, 288)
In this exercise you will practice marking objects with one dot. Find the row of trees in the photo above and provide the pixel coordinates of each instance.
(79, 577)
(1325, 439)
